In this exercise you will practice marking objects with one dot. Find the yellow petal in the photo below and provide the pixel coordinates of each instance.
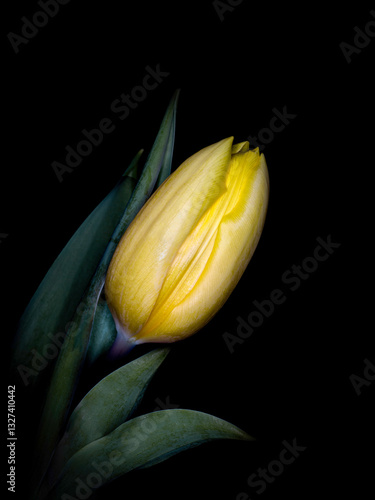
(145, 253)
(213, 257)
(241, 147)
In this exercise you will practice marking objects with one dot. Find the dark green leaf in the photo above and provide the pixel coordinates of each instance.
(160, 155)
(58, 295)
(103, 332)
(106, 406)
(142, 442)
(166, 167)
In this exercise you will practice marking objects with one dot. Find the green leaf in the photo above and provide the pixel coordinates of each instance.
(160, 155)
(57, 297)
(103, 333)
(166, 167)
(142, 442)
(106, 406)
(73, 352)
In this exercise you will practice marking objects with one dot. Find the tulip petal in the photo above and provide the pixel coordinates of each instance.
(106, 406)
(241, 147)
(158, 232)
(143, 442)
(205, 273)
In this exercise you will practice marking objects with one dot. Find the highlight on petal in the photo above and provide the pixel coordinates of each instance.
(149, 246)
(187, 248)
(212, 259)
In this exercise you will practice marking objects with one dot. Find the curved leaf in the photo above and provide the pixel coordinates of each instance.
(106, 406)
(57, 297)
(142, 442)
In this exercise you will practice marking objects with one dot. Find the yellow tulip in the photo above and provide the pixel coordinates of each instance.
(187, 248)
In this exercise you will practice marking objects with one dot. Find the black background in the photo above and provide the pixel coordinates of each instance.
(291, 378)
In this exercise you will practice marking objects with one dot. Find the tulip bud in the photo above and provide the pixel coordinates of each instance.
(187, 248)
